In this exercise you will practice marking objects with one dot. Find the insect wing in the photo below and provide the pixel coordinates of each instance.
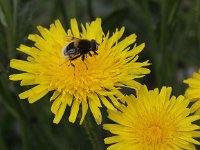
(71, 38)
(73, 51)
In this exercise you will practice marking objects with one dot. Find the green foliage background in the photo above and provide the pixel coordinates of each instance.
(170, 29)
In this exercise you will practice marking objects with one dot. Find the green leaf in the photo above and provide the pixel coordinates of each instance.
(2, 18)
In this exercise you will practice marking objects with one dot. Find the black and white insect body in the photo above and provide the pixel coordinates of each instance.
(80, 48)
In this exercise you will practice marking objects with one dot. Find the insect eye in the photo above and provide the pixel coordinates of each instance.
(93, 45)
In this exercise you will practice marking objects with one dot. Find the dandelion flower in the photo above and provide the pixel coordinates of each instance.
(193, 92)
(153, 121)
(85, 84)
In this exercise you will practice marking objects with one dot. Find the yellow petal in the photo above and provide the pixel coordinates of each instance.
(84, 111)
(56, 104)
(107, 103)
(74, 28)
(35, 90)
(55, 95)
(74, 110)
(68, 99)
(16, 77)
(28, 50)
(95, 111)
(60, 113)
(36, 96)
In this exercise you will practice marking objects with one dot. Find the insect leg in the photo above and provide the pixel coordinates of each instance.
(72, 58)
(90, 54)
(83, 57)
(95, 53)
(75, 57)
(72, 64)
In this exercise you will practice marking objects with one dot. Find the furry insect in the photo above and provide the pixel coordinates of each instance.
(80, 48)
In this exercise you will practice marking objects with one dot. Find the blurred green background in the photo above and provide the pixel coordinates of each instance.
(170, 29)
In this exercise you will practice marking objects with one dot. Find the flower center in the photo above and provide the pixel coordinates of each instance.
(153, 135)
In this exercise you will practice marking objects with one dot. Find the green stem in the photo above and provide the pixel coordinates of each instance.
(24, 135)
(2, 144)
(7, 98)
(90, 131)
(150, 26)
(10, 24)
(163, 62)
(63, 9)
(89, 8)
(197, 19)
(154, 47)
(75, 8)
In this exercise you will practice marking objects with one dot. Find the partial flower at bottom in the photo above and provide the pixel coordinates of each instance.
(79, 84)
(193, 92)
(153, 121)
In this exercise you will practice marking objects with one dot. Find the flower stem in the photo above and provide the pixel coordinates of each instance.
(90, 131)
(2, 143)
(24, 134)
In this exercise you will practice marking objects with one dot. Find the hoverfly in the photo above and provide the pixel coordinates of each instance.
(80, 48)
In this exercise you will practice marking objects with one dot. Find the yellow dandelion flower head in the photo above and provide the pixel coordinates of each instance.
(76, 83)
(153, 121)
(193, 92)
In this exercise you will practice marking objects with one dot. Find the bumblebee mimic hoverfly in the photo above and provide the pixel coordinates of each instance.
(80, 48)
